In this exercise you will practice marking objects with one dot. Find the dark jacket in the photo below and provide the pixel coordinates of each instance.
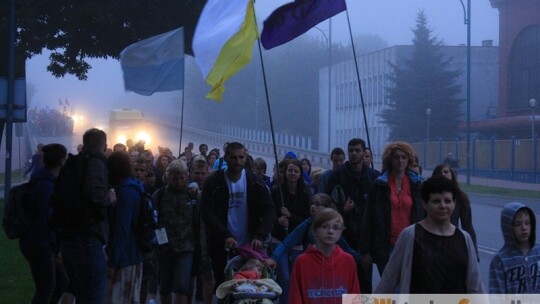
(355, 185)
(39, 210)
(377, 220)
(215, 206)
(463, 214)
(298, 206)
(95, 193)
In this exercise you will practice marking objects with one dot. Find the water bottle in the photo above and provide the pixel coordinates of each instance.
(155, 216)
(193, 190)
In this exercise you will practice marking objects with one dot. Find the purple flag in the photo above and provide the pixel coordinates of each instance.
(293, 19)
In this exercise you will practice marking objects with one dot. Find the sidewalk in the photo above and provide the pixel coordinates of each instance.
(498, 183)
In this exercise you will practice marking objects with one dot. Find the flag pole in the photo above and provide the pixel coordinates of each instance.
(269, 114)
(183, 102)
(182, 117)
(359, 81)
(285, 228)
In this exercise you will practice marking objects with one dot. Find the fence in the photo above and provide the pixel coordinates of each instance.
(512, 159)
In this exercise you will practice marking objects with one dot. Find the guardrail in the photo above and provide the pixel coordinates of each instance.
(259, 143)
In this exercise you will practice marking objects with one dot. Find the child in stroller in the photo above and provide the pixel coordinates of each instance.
(248, 280)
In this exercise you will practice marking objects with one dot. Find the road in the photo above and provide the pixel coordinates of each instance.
(486, 221)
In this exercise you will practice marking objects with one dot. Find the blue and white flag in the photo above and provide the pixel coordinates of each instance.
(155, 64)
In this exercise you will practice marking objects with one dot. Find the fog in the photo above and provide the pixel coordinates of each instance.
(389, 20)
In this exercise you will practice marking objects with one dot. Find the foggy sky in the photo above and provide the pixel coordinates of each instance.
(390, 19)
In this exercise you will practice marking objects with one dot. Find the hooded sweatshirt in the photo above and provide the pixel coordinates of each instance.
(317, 278)
(511, 271)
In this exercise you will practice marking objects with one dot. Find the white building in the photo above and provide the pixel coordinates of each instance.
(342, 118)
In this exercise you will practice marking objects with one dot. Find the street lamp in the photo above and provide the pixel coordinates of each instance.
(428, 113)
(467, 21)
(532, 103)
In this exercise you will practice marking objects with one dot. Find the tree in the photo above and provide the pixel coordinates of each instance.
(78, 30)
(420, 82)
(367, 43)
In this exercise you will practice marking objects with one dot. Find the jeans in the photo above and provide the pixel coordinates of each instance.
(382, 265)
(175, 272)
(48, 275)
(86, 267)
(283, 272)
(365, 277)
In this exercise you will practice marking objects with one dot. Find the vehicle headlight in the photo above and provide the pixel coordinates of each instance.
(121, 139)
(143, 136)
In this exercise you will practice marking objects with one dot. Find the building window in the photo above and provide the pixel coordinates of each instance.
(524, 68)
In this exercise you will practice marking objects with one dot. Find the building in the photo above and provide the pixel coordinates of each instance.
(519, 69)
(341, 115)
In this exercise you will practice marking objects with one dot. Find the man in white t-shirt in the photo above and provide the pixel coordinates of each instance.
(237, 209)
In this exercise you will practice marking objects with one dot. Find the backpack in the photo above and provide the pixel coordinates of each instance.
(147, 223)
(17, 220)
(144, 229)
(69, 210)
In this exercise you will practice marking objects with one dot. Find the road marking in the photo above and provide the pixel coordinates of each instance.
(486, 249)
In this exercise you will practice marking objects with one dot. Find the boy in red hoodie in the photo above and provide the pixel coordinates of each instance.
(324, 272)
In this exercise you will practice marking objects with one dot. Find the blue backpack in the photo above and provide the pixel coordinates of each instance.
(146, 224)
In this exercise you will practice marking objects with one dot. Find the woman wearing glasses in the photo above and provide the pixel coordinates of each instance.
(394, 203)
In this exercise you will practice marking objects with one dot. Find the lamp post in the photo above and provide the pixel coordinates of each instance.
(467, 21)
(329, 47)
(428, 113)
(532, 103)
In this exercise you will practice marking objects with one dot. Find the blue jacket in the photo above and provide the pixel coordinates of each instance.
(122, 248)
(302, 235)
(511, 271)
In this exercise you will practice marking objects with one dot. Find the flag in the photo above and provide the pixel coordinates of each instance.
(155, 64)
(293, 19)
(223, 41)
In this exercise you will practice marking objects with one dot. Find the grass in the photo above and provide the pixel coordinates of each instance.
(16, 176)
(500, 191)
(16, 285)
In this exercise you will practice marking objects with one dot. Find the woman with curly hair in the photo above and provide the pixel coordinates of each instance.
(394, 202)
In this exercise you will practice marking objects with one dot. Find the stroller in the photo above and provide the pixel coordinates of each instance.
(240, 289)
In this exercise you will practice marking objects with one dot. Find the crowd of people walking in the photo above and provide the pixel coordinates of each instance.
(320, 231)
